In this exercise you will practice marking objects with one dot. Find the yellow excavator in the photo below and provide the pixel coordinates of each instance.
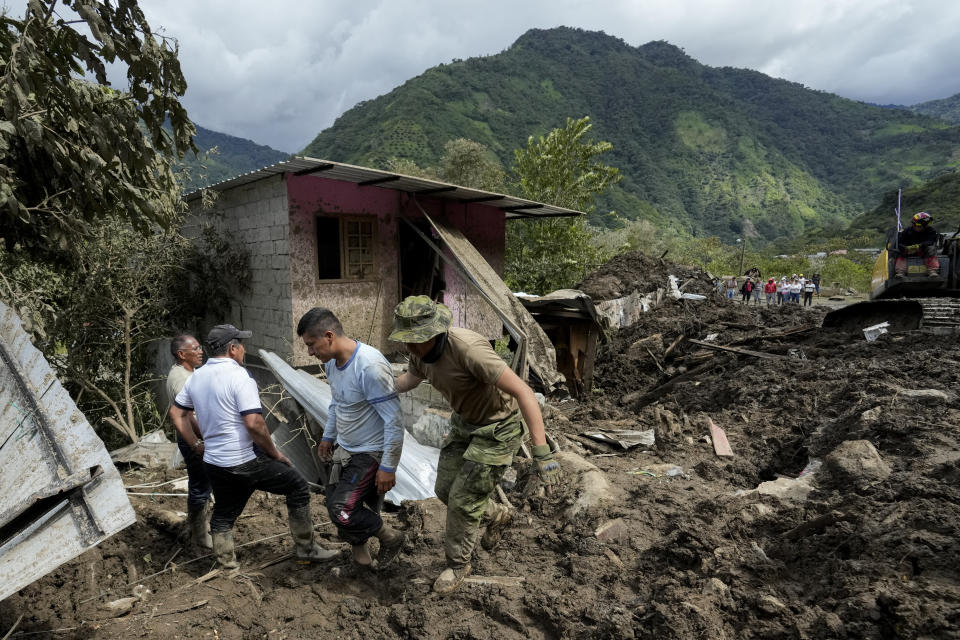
(913, 301)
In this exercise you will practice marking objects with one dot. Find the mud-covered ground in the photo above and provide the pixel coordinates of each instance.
(871, 551)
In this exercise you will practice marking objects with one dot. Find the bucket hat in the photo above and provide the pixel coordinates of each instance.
(418, 318)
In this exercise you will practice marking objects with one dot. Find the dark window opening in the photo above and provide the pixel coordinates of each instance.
(328, 248)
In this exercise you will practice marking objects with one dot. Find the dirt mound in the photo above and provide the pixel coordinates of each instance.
(636, 271)
(687, 547)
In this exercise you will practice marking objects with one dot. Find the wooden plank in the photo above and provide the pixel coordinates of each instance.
(721, 446)
(500, 581)
(746, 352)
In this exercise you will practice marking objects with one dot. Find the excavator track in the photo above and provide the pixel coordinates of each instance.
(902, 314)
(940, 312)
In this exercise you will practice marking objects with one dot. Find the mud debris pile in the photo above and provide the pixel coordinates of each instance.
(837, 515)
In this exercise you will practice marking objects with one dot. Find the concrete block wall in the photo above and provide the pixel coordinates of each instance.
(256, 215)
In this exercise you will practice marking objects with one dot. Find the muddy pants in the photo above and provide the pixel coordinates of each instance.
(472, 461)
(352, 495)
(233, 486)
(198, 485)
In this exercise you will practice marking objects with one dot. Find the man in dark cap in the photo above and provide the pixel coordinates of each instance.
(239, 455)
(486, 428)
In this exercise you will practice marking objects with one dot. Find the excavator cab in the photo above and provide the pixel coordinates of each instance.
(916, 283)
(915, 301)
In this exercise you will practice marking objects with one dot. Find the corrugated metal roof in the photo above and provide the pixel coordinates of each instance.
(299, 165)
(61, 493)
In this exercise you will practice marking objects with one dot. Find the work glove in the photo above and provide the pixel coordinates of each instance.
(547, 465)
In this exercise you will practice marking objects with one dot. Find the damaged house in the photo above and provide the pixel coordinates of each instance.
(359, 240)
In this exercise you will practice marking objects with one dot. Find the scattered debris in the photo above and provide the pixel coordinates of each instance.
(877, 330)
(625, 439)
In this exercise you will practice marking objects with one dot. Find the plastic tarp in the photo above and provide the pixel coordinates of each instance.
(416, 472)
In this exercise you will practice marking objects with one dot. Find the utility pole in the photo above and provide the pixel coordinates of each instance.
(743, 248)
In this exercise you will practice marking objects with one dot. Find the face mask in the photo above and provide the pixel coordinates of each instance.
(437, 350)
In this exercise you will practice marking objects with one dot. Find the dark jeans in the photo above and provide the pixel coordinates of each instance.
(807, 298)
(233, 486)
(198, 485)
(352, 501)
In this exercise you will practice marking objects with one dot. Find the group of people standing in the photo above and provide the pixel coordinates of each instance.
(228, 450)
(775, 292)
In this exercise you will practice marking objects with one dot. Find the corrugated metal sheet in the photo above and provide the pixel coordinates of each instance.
(61, 494)
(416, 471)
(388, 180)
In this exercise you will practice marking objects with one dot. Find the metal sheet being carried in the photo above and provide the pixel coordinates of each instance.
(541, 356)
(416, 471)
(61, 494)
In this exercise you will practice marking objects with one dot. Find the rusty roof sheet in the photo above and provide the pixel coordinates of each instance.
(299, 165)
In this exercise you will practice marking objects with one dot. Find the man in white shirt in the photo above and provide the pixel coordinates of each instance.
(239, 455)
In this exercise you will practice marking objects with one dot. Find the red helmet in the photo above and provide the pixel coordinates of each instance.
(922, 219)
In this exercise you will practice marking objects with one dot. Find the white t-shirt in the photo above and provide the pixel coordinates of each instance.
(220, 393)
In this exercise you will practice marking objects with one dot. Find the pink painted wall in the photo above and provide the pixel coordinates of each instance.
(366, 307)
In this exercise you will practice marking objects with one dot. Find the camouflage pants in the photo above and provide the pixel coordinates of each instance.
(472, 461)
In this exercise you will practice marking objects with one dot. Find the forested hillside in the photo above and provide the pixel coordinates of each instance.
(947, 109)
(233, 156)
(701, 149)
(940, 197)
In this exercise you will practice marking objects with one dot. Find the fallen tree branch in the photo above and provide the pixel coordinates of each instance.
(745, 352)
(639, 401)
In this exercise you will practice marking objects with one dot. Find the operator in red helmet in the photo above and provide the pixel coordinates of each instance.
(919, 239)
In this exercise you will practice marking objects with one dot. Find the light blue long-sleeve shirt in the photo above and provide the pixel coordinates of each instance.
(365, 410)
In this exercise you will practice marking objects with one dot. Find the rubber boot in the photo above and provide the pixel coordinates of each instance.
(223, 549)
(500, 517)
(450, 579)
(361, 555)
(301, 528)
(391, 543)
(199, 528)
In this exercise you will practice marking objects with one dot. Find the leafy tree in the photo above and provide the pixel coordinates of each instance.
(470, 164)
(561, 168)
(74, 153)
(124, 288)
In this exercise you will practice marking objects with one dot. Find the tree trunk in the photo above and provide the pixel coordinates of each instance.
(127, 395)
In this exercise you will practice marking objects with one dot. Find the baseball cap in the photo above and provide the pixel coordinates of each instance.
(224, 333)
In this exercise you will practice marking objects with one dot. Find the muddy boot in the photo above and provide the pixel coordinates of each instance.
(450, 579)
(500, 517)
(199, 528)
(222, 542)
(391, 543)
(301, 527)
(361, 555)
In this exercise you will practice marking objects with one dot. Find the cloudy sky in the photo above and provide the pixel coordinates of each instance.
(280, 71)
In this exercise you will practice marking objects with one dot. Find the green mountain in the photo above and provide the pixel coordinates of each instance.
(940, 197)
(947, 109)
(702, 149)
(233, 156)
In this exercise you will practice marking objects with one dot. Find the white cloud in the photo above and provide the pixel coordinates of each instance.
(280, 72)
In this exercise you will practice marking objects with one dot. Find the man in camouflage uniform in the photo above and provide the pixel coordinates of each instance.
(488, 400)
